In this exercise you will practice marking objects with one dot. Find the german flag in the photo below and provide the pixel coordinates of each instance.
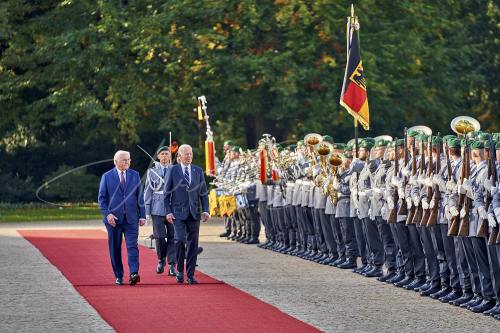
(354, 97)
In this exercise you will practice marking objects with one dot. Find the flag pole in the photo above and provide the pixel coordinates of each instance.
(356, 137)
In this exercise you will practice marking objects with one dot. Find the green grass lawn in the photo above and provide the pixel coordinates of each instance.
(45, 212)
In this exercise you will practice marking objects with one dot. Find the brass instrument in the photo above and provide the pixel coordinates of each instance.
(459, 226)
(323, 149)
(335, 162)
(311, 140)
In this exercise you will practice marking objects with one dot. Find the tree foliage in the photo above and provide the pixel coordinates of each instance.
(86, 77)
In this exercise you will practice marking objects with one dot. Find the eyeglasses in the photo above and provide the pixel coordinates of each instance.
(125, 160)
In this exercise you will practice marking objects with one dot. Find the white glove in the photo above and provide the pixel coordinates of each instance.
(377, 190)
(436, 179)
(401, 193)
(405, 172)
(454, 211)
(451, 186)
(461, 189)
(483, 215)
(390, 204)
(368, 192)
(442, 185)
(447, 213)
(395, 181)
(432, 204)
(370, 212)
(416, 200)
(408, 203)
(428, 182)
(488, 184)
(362, 194)
(462, 213)
(467, 186)
(413, 180)
(425, 205)
(491, 220)
(497, 213)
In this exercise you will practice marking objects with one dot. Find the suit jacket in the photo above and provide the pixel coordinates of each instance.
(113, 200)
(154, 193)
(181, 199)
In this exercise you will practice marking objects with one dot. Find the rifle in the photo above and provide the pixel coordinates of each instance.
(482, 230)
(465, 221)
(411, 214)
(393, 215)
(455, 221)
(417, 218)
(403, 210)
(437, 194)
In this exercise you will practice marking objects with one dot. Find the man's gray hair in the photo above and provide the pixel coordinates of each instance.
(120, 153)
(184, 147)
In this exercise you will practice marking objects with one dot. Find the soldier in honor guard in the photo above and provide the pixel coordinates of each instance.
(154, 198)
(344, 211)
(375, 250)
(494, 214)
(377, 201)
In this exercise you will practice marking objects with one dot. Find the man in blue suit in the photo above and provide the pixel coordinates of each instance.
(122, 205)
(185, 196)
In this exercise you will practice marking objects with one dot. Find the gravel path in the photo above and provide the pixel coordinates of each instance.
(40, 299)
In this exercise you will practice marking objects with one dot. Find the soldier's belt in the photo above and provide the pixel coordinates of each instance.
(159, 192)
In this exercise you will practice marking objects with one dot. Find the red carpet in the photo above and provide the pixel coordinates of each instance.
(157, 303)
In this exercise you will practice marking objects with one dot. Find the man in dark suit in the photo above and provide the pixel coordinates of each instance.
(185, 195)
(122, 205)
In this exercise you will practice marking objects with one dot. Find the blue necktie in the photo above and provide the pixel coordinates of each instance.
(186, 175)
(164, 172)
(122, 181)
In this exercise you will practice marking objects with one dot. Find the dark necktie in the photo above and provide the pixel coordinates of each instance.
(164, 172)
(186, 175)
(122, 180)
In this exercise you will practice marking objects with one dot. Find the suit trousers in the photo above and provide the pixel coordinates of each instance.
(388, 243)
(494, 261)
(163, 233)
(451, 258)
(430, 256)
(326, 227)
(373, 242)
(472, 267)
(481, 253)
(115, 236)
(337, 234)
(417, 252)
(348, 233)
(361, 240)
(186, 243)
(403, 236)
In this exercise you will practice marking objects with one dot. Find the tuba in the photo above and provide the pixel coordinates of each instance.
(323, 149)
(463, 125)
(311, 140)
(335, 162)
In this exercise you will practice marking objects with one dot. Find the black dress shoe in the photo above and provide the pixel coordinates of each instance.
(497, 316)
(476, 300)
(442, 292)
(337, 262)
(484, 306)
(416, 283)
(119, 281)
(192, 281)
(430, 291)
(493, 311)
(179, 278)
(386, 277)
(377, 272)
(397, 278)
(466, 297)
(134, 279)
(451, 297)
(424, 287)
(171, 270)
(406, 281)
(361, 268)
(200, 250)
(348, 264)
(161, 266)
(224, 234)
(253, 241)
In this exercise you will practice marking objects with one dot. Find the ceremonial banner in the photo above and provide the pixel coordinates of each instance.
(354, 96)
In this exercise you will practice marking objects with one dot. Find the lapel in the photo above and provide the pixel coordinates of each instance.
(116, 178)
